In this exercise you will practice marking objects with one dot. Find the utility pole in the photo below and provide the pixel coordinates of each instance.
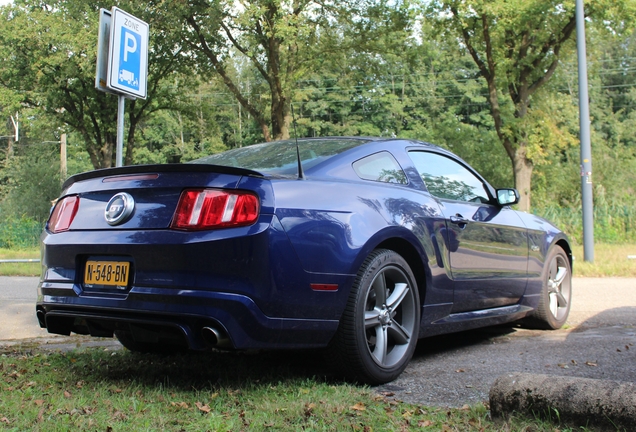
(63, 157)
(15, 137)
(16, 126)
(586, 147)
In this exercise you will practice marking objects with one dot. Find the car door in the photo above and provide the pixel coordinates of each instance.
(487, 243)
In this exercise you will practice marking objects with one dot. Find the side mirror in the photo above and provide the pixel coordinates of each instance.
(507, 196)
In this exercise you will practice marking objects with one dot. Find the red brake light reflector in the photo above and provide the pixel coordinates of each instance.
(63, 214)
(200, 209)
(324, 287)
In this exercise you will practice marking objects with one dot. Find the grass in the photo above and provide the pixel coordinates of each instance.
(19, 269)
(609, 260)
(112, 389)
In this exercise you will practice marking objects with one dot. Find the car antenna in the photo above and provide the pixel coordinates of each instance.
(301, 175)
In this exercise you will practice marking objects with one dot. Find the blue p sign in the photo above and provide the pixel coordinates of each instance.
(130, 59)
(128, 55)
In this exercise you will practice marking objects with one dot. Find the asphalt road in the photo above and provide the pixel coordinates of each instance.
(17, 308)
(599, 341)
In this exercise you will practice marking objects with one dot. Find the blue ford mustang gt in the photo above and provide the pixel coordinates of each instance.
(357, 245)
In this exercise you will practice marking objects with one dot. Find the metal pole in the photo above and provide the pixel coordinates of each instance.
(63, 157)
(586, 147)
(120, 129)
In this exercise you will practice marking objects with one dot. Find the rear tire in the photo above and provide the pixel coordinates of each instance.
(379, 328)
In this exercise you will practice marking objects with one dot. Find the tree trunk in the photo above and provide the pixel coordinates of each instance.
(523, 168)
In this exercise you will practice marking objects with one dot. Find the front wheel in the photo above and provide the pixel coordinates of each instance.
(556, 294)
(379, 328)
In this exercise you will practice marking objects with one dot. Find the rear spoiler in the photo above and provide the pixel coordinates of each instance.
(143, 169)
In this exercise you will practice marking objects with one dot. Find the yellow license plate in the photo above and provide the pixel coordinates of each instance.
(112, 273)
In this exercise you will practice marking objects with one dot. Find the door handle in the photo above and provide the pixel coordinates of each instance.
(459, 220)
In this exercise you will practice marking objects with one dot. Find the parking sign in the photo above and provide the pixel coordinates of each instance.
(128, 54)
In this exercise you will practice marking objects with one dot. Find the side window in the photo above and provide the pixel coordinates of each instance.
(380, 167)
(446, 178)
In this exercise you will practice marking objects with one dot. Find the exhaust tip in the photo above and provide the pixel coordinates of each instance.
(41, 318)
(214, 337)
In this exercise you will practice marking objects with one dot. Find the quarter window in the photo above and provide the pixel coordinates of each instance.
(448, 179)
(380, 167)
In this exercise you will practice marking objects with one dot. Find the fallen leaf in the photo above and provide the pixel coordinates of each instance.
(574, 362)
(67, 395)
(460, 370)
(309, 409)
(563, 366)
(41, 414)
(618, 350)
(358, 407)
(465, 408)
(39, 402)
(424, 423)
(5, 420)
(119, 416)
(204, 408)
(589, 363)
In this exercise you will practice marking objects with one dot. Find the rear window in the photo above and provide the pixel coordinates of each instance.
(381, 167)
(279, 157)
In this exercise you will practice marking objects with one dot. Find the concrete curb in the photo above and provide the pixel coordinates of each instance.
(601, 404)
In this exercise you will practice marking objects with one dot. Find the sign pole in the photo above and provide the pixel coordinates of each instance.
(121, 103)
(122, 63)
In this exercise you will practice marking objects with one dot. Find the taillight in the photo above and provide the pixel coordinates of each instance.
(202, 209)
(63, 214)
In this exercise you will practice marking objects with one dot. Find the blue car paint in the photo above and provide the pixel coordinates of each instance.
(255, 282)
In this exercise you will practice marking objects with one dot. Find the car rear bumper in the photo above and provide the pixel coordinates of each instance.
(159, 315)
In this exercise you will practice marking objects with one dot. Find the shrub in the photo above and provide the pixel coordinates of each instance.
(20, 233)
(613, 223)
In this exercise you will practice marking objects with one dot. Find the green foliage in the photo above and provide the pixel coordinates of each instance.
(48, 57)
(614, 223)
(32, 182)
(20, 233)
(360, 68)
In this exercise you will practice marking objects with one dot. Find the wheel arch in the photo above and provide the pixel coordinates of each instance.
(565, 245)
(413, 258)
